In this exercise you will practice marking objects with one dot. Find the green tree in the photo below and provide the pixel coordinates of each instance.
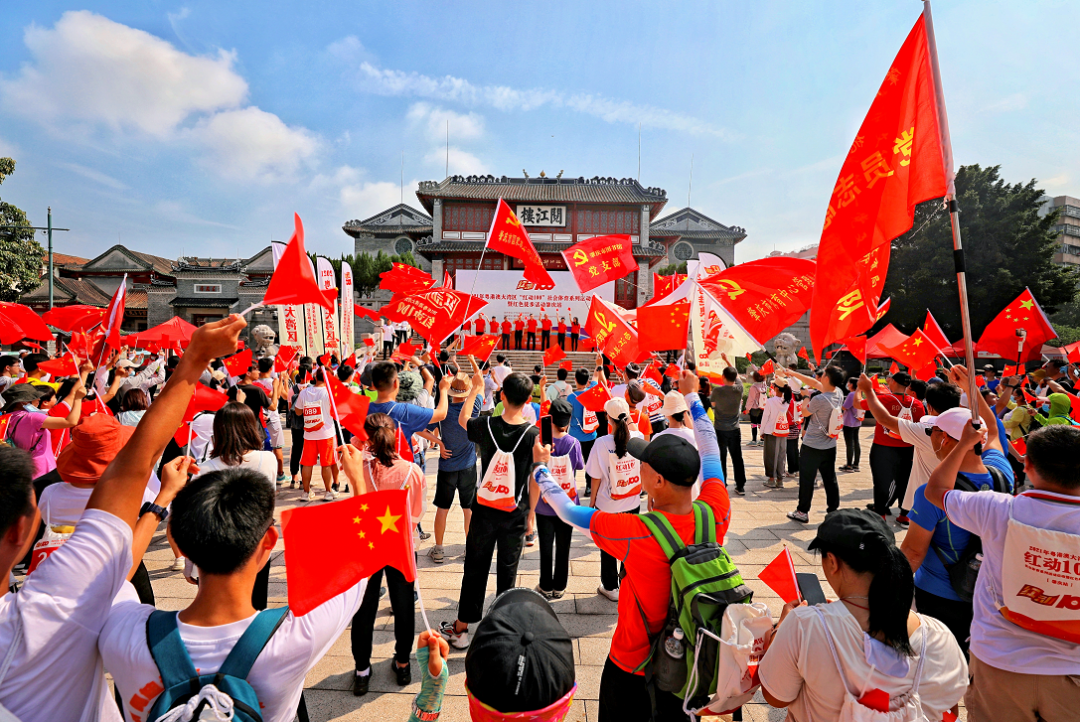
(1007, 246)
(672, 269)
(366, 268)
(20, 253)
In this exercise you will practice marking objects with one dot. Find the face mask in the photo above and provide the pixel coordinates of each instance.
(31, 409)
(1045, 408)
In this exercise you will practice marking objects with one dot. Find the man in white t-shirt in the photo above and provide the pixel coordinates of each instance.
(273, 418)
(387, 339)
(51, 626)
(1026, 625)
(223, 522)
(500, 370)
(319, 431)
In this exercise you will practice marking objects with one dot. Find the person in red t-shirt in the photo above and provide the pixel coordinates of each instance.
(562, 333)
(519, 331)
(506, 327)
(669, 468)
(545, 332)
(478, 325)
(531, 335)
(575, 332)
(890, 456)
(493, 325)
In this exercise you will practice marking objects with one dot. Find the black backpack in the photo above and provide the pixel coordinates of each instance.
(964, 573)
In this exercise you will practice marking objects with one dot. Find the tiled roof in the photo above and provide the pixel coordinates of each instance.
(135, 299)
(77, 290)
(474, 246)
(542, 190)
(204, 302)
(402, 218)
(161, 265)
(64, 259)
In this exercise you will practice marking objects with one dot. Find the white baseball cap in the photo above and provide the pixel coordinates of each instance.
(953, 421)
(674, 403)
(125, 364)
(616, 407)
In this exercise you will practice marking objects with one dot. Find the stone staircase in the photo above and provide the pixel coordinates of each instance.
(524, 361)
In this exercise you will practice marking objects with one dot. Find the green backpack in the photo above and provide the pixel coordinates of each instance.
(704, 581)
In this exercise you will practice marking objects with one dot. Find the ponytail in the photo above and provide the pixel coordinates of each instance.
(621, 434)
(891, 593)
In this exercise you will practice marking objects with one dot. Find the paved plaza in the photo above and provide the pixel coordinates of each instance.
(759, 530)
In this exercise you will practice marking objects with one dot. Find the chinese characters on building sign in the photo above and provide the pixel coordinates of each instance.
(541, 215)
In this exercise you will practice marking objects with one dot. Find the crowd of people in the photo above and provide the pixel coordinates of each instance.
(92, 465)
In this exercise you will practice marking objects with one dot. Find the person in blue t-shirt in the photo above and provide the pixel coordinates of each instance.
(457, 462)
(933, 543)
(583, 423)
(411, 419)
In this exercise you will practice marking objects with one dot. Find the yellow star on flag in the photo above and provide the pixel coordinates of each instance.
(363, 507)
(356, 520)
(917, 341)
(1027, 304)
(370, 545)
(388, 521)
(361, 535)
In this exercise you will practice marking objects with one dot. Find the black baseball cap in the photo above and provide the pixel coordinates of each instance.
(858, 533)
(521, 659)
(902, 378)
(561, 412)
(671, 456)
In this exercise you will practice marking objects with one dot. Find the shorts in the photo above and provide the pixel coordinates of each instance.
(273, 427)
(319, 452)
(463, 481)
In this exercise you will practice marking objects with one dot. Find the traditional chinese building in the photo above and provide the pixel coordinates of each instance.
(558, 212)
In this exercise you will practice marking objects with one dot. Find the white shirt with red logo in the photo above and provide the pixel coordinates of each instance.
(318, 419)
(609, 497)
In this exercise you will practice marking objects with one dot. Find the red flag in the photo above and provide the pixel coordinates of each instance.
(480, 346)
(934, 334)
(407, 349)
(324, 360)
(434, 314)
(74, 318)
(567, 364)
(893, 368)
(369, 342)
(595, 398)
(330, 548)
(350, 360)
(764, 296)
(802, 353)
(600, 259)
(857, 346)
(114, 316)
(1074, 402)
(1010, 371)
(66, 365)
(768, 367)
(1074, 352)
(238, 364)
(652, 373)
(673, 372)
(1028, 398)
(351, 409)
(285, 356)
(294, 281)
(1023, 314)
(204, 399)
(448, 280)
(916, 352)
(553, 354)
(508, 236)
(1020, 445)
(663, 328)
(612, 334)
(780, 577)
(664, 285)
(405, 280)
(895, 162)
(366, 313)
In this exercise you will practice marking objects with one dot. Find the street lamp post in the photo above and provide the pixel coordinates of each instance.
(49, 230)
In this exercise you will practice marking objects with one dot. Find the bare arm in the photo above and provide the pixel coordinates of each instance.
(477, 386)
(120, 489)
(444, 400)
(174, 476)
(944, 477)
(69, 421)
(916, 545)
(806, 380)
(877, 409)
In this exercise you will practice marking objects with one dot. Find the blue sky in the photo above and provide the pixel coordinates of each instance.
(199, 127)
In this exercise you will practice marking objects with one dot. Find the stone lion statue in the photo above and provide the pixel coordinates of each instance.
(786, 348)
(262, 341)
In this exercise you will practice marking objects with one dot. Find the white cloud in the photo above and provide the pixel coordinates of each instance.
(251, 144)
(1058, 181)
(96, 176)
(1016, 101)
(384, 81)
(89, 68)
(434, 121)
(461, 162)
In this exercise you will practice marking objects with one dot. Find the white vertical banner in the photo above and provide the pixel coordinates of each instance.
(327, 281)
(291, 331)
(313, 323)
(348, 340)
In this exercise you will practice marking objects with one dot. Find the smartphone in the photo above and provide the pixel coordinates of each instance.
(547, 436)
(810, 588)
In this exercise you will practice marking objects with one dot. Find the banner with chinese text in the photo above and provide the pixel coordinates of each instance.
(327, 281)
(348, 340)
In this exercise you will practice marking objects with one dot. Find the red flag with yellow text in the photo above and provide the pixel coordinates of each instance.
(612, 333)
(599, 260)
(765, 296)
(435, 313)
(894, 163)
(508, 236)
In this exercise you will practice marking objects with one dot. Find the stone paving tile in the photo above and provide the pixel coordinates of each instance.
(759, 531)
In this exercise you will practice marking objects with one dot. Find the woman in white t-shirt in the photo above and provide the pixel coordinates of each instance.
(238, 442)
(616, 482)
(679, 423)
(774, 432)
(867, 649)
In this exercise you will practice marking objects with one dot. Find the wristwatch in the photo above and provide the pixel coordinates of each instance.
(161, 512)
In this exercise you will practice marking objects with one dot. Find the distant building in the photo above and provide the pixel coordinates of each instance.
(1067, 228)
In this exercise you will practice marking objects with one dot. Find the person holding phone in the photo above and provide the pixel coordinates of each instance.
(868, 646)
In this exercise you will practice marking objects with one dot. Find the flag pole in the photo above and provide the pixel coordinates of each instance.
(954, 214)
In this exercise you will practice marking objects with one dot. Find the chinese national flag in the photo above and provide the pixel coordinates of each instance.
(405, 279)
(435, 313)
(1073, 351)
(652, 373)
(672, 371)
(508, 236)
(780, 577)
(114, 318)
(238, 364)
(351, 409)
(768, 367)
(330, 548)
(407, 349)
(1024, 313)
(895, 162)
(857, 346)
(802, 353)
(934, 334)
(916, 352)
(350, 360)
(369, 342)
(480, 346)
(1028, 398)
(66, 365)
(893, 369)
(600, 259)
(663, 328)
(595, 398)
(284, 358)
(74, 318)
(664, 285)
(553, 354)
(294, 281)
(616, 338)
(204, 399)
(1020, 445)
(567, 364)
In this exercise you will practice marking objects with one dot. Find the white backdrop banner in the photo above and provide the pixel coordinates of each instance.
(508, 294)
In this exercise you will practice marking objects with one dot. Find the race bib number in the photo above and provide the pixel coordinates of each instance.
(313, 418)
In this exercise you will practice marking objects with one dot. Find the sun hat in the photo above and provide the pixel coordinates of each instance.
(674, 403)
(95, 442)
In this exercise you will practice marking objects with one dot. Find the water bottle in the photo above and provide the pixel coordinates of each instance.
(670, 667)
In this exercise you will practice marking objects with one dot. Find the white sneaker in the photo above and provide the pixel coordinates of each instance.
(437, 554)
(612, 594)
(311, 495)
(329, 496)
(178, 564)
(457, 640)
